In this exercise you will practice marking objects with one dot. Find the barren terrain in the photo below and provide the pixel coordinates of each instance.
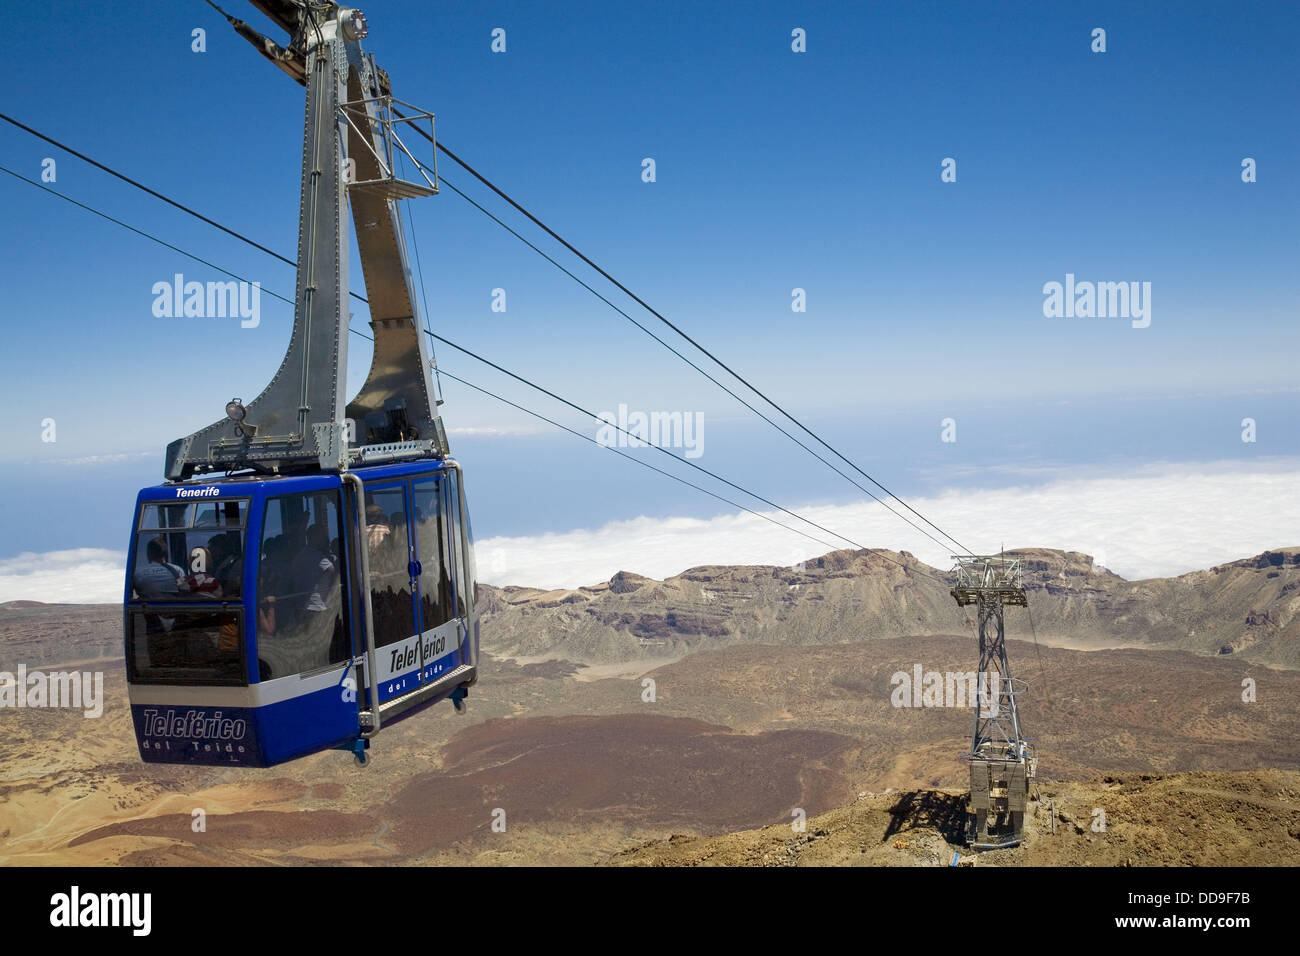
(565, 747)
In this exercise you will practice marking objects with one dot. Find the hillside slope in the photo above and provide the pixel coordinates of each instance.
(1249, 607)
(1185, 819)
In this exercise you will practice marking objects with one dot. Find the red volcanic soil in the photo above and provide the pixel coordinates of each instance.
(250, 830)
(650, 770)
(647, 772)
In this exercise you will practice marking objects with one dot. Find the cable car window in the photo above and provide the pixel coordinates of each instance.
(453, 525)
(186, 646)
(430, 550)
(390, 557)
(189, 553)
(299, 590)
(471, 565)
(165, 516)
(221, 514)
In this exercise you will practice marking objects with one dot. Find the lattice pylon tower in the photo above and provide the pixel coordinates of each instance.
(1002, 763)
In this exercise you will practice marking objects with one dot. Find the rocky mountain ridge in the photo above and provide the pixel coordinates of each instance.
(1249, 607)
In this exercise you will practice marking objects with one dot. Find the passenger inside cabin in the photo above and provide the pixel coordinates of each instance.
(315, 575)
(201, 582)
(313, 571)
(274, 584)
(377, 529)
(295, 530)
(158, 580)
(398, 553)
(230, 562)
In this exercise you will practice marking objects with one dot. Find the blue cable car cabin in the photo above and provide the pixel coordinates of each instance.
(268, 618)
(324, 586)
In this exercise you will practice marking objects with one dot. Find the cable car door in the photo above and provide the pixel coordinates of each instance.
(393, 590)
(303, 647)
(435, 569)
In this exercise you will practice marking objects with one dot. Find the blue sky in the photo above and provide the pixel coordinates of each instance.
(775, 170)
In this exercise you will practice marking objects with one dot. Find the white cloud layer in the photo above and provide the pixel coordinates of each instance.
(1158, 521)
(76, 576)
(97, 460)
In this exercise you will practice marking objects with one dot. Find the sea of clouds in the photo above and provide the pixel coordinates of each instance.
(1156, 521)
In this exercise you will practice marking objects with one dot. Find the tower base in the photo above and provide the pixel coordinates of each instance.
(999, 793)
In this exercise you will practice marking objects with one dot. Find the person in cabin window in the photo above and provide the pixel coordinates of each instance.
(271, 615)
(314, 574)
(377, 528)
(157, 580)
(230, 562)
(201, 583)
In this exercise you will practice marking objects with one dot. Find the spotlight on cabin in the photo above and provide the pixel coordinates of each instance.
(236, 411)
